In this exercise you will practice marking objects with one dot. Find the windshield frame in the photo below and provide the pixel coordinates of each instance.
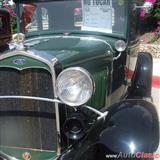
(45, 32)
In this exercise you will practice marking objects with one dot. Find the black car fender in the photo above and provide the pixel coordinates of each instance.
(131, 126)
(142, 78)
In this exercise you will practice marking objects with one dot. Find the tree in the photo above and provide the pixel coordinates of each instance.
(156, 11)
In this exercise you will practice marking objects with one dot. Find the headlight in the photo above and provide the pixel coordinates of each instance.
(74, 86)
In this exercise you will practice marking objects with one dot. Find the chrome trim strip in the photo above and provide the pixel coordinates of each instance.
(68, 36)
(50, 61)
(94, 110)
(31, 98)
(5, 156)
(20, 69)
(101, 114)
(31, 149)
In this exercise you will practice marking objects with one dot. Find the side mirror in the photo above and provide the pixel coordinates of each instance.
(147, 6)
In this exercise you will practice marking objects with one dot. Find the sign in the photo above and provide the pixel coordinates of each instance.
(97, 15)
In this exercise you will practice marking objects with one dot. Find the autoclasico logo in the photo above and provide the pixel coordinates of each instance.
(136, 155)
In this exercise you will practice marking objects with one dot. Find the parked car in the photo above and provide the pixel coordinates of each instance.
(63, 90)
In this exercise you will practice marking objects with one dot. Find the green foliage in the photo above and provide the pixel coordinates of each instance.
(156, 12)
(13, 25)
(154, 17)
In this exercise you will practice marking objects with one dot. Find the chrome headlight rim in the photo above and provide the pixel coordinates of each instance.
(90, 78)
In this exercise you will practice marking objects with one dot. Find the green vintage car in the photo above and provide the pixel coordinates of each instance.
(63, 88)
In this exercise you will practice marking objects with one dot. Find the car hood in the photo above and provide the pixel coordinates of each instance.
(71, 50)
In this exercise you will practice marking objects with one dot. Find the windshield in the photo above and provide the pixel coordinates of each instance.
(106, 16)
(27, 123)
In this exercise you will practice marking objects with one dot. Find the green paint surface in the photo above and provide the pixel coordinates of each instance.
(101, 85)
(75, 50)
(29, 63)
(35, 155)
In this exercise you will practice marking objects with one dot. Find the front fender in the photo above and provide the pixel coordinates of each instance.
(130, 127)
(141, 82)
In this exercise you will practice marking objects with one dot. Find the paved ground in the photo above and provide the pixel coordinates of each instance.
(154, 49)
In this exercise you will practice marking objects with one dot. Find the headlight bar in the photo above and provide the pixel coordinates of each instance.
(101, 114)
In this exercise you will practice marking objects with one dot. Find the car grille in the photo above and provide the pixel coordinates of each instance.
(27, 123)
(29, 82)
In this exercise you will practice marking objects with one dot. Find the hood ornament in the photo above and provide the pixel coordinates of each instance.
(26, 156)
(17, 41)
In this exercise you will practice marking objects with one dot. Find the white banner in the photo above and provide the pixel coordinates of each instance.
(97, 15)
